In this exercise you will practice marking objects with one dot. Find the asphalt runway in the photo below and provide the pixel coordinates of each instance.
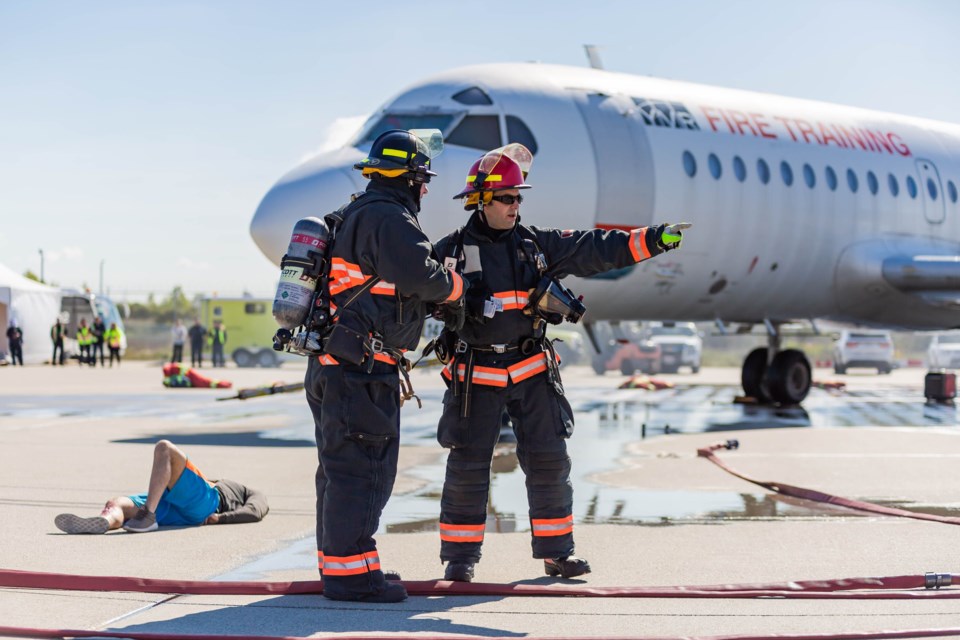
(647, 510)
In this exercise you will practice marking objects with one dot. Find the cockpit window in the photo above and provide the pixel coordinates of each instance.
(476, 132)
(408, 121)
(518, 131)
(473, 96)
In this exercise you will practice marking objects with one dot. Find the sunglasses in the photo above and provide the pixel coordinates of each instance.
(508, 200)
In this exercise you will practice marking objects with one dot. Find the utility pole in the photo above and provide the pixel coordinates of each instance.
(101, 277)
(41, 267)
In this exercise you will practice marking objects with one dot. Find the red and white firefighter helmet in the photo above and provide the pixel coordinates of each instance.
(503, 168)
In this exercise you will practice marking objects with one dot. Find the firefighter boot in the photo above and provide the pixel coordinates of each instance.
(392, 576)
(390, 592)
(569, 567)
(459, 572)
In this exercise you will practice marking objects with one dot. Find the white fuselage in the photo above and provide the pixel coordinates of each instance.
(615, 151)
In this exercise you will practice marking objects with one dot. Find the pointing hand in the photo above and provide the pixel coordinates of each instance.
(669, 236)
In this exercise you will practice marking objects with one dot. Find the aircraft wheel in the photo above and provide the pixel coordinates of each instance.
(627, 367)
(788, 377)
(754, 373)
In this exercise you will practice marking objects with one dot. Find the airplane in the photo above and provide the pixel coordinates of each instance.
(801, 210)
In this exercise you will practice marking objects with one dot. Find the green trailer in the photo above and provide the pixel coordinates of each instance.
(250, 328)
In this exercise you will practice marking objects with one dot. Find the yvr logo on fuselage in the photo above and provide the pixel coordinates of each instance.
(660, 113)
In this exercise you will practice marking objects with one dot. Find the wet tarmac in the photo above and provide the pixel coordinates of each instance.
(607, 419)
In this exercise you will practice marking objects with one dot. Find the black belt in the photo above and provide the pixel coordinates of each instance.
(524, 346)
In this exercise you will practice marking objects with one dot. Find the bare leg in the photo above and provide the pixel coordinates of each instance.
(168, 465)
(118, 510)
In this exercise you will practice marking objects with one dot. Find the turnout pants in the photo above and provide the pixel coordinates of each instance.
(542, 420)
(357, 425)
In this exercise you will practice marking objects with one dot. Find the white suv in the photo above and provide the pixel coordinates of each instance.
(944, 351)
(860, 348)
(680, 345)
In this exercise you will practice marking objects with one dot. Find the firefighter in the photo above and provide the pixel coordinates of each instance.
(502, 365)
(382, 276)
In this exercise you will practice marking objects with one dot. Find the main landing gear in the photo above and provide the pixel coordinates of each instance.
(774, 376)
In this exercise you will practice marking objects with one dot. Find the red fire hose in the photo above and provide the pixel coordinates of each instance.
(817, 496)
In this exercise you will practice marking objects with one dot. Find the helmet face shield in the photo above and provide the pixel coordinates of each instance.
(515, 151)
(429, 142)
(398, 153)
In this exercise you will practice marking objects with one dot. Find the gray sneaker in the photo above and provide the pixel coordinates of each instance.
(143, 522)
(69, 523)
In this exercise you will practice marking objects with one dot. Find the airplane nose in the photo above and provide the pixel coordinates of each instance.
(314, 189)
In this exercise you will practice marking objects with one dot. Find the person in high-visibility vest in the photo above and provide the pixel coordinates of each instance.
(113, 337)
(218, 338)
(84, 341)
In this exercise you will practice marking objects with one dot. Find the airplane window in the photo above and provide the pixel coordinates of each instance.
(808, 176)
(763, 171)
(476, 132)
(911, 187)
(786, 173)
(931, 189)
(952, 190)
(894, 185)
(852, 181)
(409, 121)
(473, 95)
(739, 168)
(715, 169)
(831, 178)
(518, 131)
(689, 164)
(872, 183)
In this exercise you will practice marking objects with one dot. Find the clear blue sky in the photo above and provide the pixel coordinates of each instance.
(143, 134)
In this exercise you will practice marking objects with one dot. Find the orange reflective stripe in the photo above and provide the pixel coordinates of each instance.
(638, 244)
(490, 376)
(344, 275)
(528, 368)
(512, 299)
(461, 532)
(546, 527)
(383, 288)
(457, 287)
(351, 565)
(330, 360)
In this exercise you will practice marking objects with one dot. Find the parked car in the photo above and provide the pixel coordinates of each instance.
(944, 351)
(680, 345)
(859, 348)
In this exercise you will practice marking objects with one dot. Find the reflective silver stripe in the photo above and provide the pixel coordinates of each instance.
(540, 361)
(457, 533)
(356, 564)
(552, 527)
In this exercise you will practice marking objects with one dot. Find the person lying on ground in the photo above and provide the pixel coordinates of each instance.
(178, 495)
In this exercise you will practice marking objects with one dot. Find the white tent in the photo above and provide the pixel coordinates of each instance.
(35, 307)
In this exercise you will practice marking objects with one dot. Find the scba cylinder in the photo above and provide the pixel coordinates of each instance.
(299, 271)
